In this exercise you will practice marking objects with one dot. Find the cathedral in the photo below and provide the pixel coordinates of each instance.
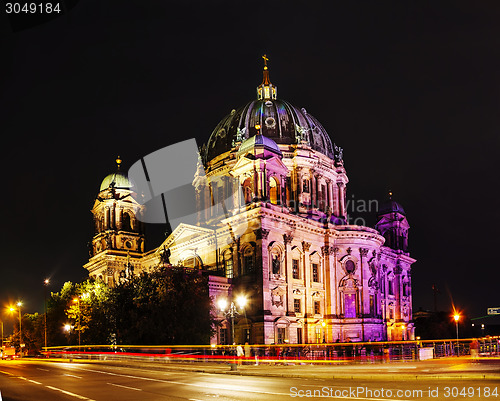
(271, 226)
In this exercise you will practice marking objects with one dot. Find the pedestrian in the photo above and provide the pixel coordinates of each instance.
(247, 351)
(239, 353)
(474, 350)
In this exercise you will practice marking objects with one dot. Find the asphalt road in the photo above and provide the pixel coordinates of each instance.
(41, 380)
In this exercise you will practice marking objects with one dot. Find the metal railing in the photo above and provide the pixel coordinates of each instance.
(365, 352)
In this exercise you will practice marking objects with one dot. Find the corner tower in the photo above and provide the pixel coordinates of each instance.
(118, 241)
(393, 225)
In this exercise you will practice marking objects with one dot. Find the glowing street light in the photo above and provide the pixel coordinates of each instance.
(241, 301)
(231, 312)
(77, 301)
(456, 317)
(12, 310)
(45, 284)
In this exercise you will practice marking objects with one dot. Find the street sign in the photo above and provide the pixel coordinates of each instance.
(493, 311)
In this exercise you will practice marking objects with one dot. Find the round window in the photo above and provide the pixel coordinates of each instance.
(350, 266)
(270, 122)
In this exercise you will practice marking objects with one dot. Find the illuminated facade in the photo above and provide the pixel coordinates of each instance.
(309, 277)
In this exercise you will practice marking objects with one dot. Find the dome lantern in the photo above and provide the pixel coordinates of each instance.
(266, 90)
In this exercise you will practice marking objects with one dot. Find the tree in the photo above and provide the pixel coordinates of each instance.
(169, 305)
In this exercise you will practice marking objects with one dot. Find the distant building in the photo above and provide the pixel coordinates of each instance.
(308, 275)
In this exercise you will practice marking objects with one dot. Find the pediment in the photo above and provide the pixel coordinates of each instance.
(184, 233)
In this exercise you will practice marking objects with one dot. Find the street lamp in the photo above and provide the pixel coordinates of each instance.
(12, 309)
(232, 311)
(67, 328)
(45, 284)
(77, 301)
(456, 316)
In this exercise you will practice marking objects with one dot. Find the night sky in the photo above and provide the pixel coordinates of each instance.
(410, 90)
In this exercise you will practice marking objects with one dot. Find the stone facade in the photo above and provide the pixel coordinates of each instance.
(272, 226)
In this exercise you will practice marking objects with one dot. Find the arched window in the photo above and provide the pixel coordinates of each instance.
(349, 294)
(228, 265)
(390, 287)
(126, 226)
(248, 261)
(192, 262)
(274, 189)
(350, 304)
(305, 185)
(248, 190)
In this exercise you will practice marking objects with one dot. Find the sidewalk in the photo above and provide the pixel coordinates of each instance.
(445, 368)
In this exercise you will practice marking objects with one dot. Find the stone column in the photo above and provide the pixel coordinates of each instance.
(307, 282)
(299, 186)
(363, 252)
(119, 218)
(256, 182)
(287, 240)
(336, 202)
(330, 288)
(312, 190)
(106, 218)
(329, 205)
(341, 200)
(397, 291)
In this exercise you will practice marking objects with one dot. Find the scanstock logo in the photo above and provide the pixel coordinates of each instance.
(165, 181)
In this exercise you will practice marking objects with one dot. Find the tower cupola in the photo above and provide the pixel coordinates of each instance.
(266, 90)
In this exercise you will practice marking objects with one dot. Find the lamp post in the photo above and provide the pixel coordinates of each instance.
(456, 316)
(77, 301)
(45, 284)
(231, 312)
(12, 309)
(67, 328)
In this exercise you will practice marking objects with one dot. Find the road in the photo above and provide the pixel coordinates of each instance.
(40, 380)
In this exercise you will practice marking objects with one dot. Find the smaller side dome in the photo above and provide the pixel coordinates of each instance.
(391, 206)
(117, 180)
(260, 145)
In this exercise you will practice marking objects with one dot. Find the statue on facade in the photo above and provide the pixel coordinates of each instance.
(276, 264)
(165, 256)
(338, 153)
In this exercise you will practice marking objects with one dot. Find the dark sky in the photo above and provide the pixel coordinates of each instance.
(409, 89)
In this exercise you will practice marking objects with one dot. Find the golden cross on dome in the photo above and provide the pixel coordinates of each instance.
(265, 61)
